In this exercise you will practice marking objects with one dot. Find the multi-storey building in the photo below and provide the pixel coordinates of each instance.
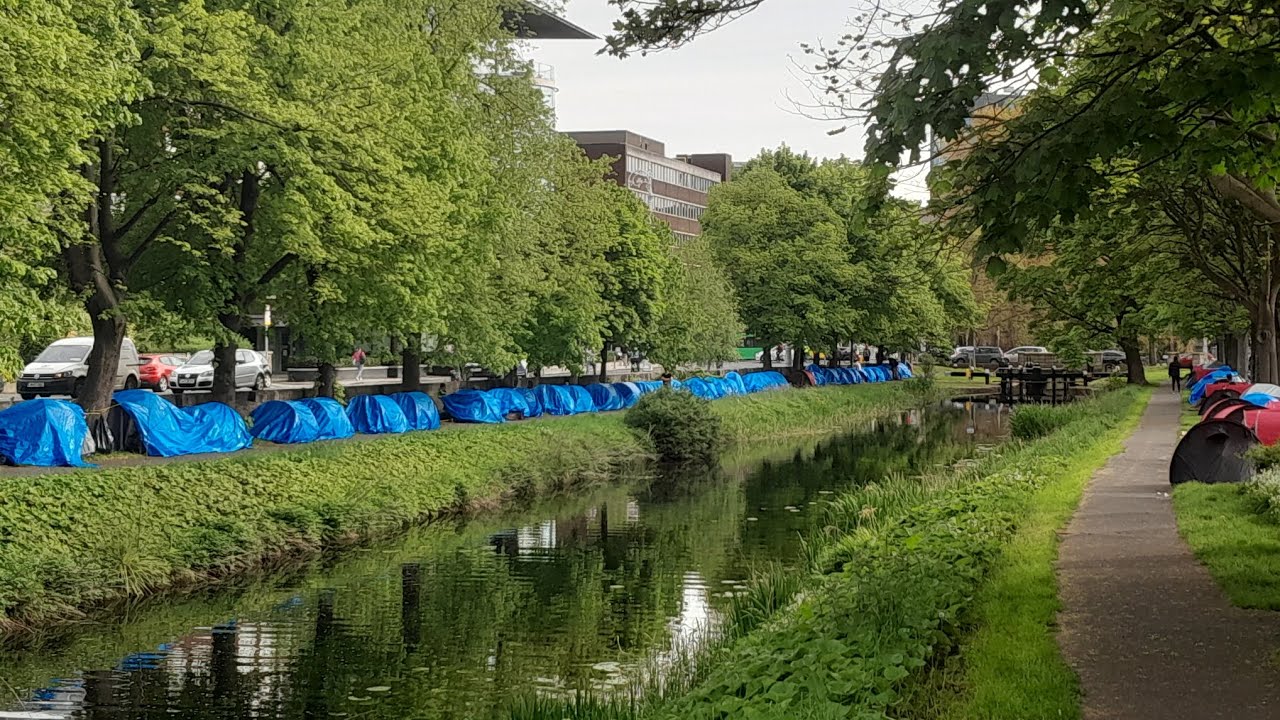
(675, 189)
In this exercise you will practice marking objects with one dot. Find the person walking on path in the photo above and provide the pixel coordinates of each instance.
(1175, 374)
(357, 359)
(1143, 623)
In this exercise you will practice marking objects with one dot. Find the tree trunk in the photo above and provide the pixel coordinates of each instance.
(1133, 361)
(224, 370)
(766, 358)
(411, 367)
(1265, 333)
(327, 380)
(604, 363)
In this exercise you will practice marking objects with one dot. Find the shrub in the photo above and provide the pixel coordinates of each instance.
(1264, 457)
(1113, 383)
(680, 426)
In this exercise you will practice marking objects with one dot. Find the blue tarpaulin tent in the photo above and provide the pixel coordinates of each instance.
(376, 414)
(473, 406)
(166, 430)
(511, 400)
(736, 386)
(44, 432)
(554, 399)
(1259, 399)
(281, 421)
(904, 371)
(580, 400)
(1197, 390)
(604, 397)
(419, 409)
(331, 418)
(531, 400)
(757, 381)
(628, 393)
(648, 386)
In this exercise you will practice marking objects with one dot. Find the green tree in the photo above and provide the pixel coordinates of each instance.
(699, 321)
(786, 255)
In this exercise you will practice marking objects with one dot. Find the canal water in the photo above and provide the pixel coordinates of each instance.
(455, 620)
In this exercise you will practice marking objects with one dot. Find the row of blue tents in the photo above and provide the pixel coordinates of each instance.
(856, 376)
(48, 432)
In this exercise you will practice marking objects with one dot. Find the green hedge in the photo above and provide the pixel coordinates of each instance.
(900, 564)
(77, 539)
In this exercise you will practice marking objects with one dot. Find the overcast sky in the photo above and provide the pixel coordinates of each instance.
(729, 91)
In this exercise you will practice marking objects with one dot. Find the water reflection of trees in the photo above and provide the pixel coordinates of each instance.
(457, 623)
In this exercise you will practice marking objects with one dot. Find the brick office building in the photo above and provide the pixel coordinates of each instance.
(675, 189)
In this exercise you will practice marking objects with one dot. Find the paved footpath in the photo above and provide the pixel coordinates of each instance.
(1143, 623)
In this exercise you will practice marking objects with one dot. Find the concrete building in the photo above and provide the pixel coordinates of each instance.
(675, 189)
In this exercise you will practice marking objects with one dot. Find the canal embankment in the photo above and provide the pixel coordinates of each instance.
(903, 582)
(79, 540)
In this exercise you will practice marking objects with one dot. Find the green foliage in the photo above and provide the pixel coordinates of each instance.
(1264, 457)
(699, 322)
(1029, 422)
(680, 426)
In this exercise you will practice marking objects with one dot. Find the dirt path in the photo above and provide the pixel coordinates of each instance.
(1143, 623)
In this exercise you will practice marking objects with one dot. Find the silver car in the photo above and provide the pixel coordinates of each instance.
(252, 371)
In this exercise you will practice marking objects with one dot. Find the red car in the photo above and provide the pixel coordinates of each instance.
(155, 370)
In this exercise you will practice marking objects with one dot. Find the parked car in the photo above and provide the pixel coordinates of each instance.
(61, 368)
(156, 371)
(1109, 359)
(987, 356)
(252, 371)
(1015, 355)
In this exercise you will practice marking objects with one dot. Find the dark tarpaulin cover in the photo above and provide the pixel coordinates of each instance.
(419, 409)
(168, 431)
(628, 393)
(531, 401)
(511, 400)
(285, 422)
(554, 399)
(376, 415)
(604, 397)
(581, 400)
(43, 432)
(330, 417)
(473, 406)
(1213, 452)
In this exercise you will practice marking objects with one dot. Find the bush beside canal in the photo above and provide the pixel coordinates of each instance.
(896, 568)
(73, 540)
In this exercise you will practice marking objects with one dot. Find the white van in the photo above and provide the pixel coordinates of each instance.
(61, 368)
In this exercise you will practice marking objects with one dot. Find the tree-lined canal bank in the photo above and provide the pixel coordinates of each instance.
(83, 539)
(456, 619)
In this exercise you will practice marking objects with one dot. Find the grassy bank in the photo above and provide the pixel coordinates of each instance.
(75, 540)
(897, 571)
(1009, 666)
(1235, 531)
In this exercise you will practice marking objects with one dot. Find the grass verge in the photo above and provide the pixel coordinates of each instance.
(1235, 531)
(1009, 666)
(895, 568)
(74, 540)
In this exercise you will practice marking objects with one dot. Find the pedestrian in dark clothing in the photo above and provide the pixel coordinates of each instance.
(666, 379)
(893, 368)
(1175, 374)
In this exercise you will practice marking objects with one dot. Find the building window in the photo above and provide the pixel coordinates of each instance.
(668, 174)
